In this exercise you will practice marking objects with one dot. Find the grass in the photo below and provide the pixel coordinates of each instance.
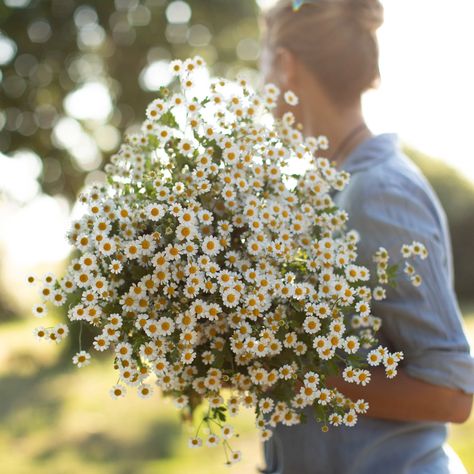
(56, 420)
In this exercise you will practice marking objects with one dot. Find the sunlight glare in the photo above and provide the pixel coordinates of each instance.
(90, 101)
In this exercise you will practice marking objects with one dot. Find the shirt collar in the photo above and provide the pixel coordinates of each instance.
(371, 151)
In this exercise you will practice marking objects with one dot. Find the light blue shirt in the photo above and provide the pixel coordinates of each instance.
(390, 203)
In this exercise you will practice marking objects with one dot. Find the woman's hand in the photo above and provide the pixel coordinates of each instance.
(406, 398)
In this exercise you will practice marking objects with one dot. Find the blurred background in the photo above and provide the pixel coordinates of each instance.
(74, 76)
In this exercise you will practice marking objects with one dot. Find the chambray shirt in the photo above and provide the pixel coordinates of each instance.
(390, 203)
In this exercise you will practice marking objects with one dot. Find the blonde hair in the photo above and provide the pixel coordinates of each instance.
(335, 39)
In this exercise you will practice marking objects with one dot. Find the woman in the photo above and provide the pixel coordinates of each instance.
(326, 52)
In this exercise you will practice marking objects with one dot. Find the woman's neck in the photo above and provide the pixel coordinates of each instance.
(344, 128)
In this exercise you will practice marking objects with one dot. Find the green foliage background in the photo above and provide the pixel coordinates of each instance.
(457, 197)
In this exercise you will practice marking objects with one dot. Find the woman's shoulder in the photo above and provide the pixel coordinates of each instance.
(392, 177)
(391, 203)
(392, 170)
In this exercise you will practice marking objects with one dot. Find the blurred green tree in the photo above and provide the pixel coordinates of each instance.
(75, 74)
(457, 197)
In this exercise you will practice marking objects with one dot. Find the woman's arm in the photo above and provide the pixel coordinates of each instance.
(435, 380)
(406, 398)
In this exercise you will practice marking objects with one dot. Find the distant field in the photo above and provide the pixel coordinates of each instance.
(63, 422)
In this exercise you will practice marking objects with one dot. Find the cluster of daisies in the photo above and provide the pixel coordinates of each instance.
(203, 265)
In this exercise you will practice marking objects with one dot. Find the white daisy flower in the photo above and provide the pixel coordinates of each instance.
(311, 324)
(101, 343)
(155, 109)
(235, 456)
(406, 251)
(323, 396)
(195, 442)
(271, 90)
(363, 308)
(362, 377)
(350, 418)
(379, 293)
(290, 98)
(123, 350)
(265, 434)
(40, 310)
(188, 356)
(107, 247)
(212, 440)
(349, 374)
(416, 280)
(81, 359)
(335, 419)
(286, 372)
(40, 333)
(390, 372)
(166, 326)
(351, 344)
(181, 401)
(145, 390)
(155, 212)
(311, 379)
(176, 67)
(361, 406)
(118, 391)
(227, 431)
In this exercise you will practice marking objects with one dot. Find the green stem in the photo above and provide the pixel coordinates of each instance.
(80, 336)
(202, 421)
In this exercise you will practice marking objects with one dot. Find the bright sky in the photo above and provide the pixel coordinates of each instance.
(427, 91)
(427, 96)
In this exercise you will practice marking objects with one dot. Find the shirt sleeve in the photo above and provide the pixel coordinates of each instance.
(424, 322)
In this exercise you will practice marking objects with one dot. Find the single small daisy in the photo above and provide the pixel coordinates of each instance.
(145, 391)
(290, 98)
(81, 359)
(235, 456)
(117, 391)
(212, 440)
(40, 333)
(195, 442)
(40, 310)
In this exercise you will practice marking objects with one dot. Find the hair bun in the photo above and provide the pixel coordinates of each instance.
(368, 14)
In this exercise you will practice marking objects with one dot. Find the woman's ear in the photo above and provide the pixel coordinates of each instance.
(286, 66)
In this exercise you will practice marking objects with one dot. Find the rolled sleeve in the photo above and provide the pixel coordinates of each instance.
(424, 322)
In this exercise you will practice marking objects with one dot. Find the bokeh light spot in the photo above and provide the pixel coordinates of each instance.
(85, 15)
(139, 16)
(155, 75)
(91, 101)
(39, 31)
(19, 173)
(248, 49)
(7, 49)
(178, 12)
(199, 35)
(17, 3)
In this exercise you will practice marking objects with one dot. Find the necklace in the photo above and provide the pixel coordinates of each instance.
(347, 139)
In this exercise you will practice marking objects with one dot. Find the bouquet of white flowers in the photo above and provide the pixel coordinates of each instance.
(206, 264)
